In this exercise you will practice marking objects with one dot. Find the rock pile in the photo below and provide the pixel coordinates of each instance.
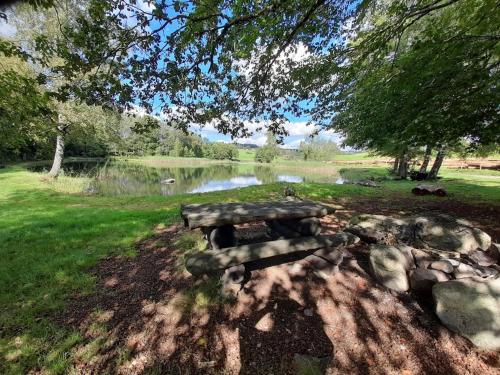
(445, 256)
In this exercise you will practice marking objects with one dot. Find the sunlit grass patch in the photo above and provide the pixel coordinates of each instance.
(68, 184)
(191, 242)
(205, 294)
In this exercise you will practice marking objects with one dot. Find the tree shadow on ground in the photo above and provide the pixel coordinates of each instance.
(150, 316)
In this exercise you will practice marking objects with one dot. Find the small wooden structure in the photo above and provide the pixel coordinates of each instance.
(219, 214)
(295, 222)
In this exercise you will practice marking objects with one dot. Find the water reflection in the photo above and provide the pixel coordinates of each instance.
(121, 178)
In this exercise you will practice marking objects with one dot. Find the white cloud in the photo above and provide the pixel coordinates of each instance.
(300, 128)
(293, 54)
(258, 139)
(293, 145)
(146, 5)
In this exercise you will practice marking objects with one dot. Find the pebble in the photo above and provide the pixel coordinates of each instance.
(464, 270)
(453, 262)
(308, 312)
(442, 265)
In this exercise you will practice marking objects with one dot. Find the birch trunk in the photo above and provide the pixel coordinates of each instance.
(403, 167)
(437, 163)
(395, 166)
(59, 154)
(427, 158)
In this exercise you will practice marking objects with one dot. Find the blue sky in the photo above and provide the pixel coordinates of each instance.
(298, 128)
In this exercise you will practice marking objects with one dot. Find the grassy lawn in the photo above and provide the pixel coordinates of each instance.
(246, 154)
(51, 235)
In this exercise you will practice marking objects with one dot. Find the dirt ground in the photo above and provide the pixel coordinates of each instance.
(150, 316)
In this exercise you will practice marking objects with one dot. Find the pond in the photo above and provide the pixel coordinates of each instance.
(121, 178)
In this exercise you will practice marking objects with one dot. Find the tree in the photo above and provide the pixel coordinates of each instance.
(268, 152)
(221, 151)
(35, 32)
(233, 61)
(25, 110)
(432, 84)
(318, 149)
(222, 62)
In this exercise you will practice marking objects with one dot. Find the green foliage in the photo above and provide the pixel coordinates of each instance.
(318, 149)
(26, 112)
(430, 82)
(265, 154)
(268, 152)
(221, 151)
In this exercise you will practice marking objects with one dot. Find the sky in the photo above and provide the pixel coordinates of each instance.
(298, 128)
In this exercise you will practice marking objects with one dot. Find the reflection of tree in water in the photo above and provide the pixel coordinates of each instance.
(265, 174)
(121, 178)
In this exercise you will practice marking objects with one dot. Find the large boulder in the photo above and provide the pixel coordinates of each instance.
(447, 233)
(471, 307)
(440, 232)
(389, 265)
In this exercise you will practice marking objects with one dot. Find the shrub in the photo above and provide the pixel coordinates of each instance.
(266, 154)
(221, 151)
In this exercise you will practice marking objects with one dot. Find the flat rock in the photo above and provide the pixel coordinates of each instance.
(335, 255)
(471, 308)
(453, 262)
(464, 271)
(235, 274)
(448, 233)
(422, 258)
(368, 183)
(389, 265)
(378, 228)
(422, 279)
(485, 271)
(494, 252)
(442, 265)
(482, 258)
(440, 232)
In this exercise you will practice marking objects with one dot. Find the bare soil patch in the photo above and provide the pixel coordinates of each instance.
(149, 315)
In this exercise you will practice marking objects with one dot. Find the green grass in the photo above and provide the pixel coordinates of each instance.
(246, 154)
(51, 235)
(354, 156)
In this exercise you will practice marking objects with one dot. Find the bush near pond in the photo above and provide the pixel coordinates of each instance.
(220, 151)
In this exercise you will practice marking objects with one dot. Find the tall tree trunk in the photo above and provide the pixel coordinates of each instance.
(427, 158)
(59, 154)
(437, 163)
(395, 166)
(403, 167)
